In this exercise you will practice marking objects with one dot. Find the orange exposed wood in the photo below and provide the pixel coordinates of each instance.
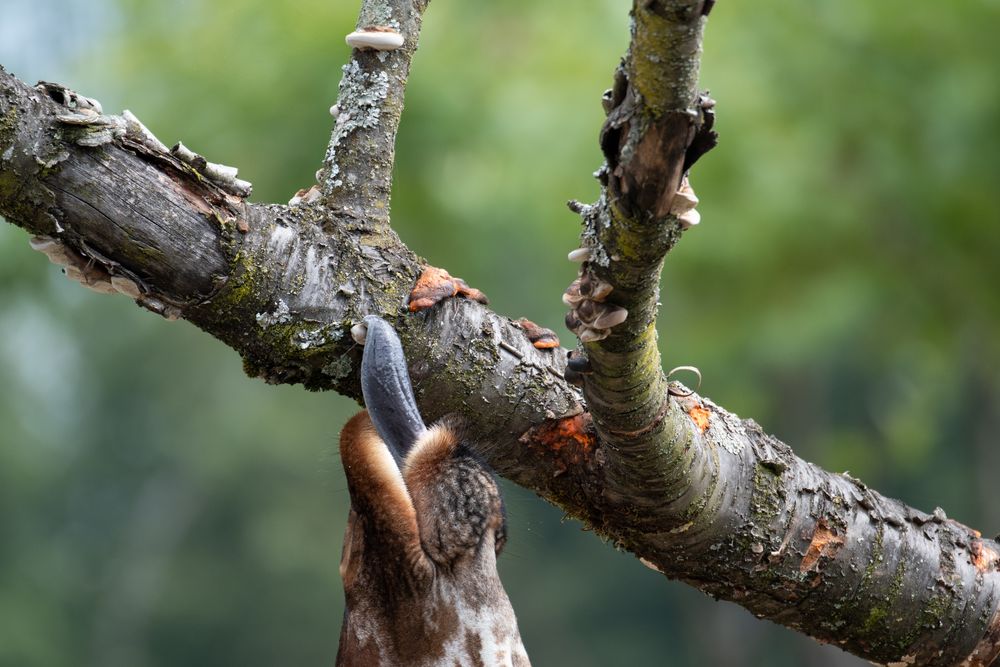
(700, 416)
(825, 544)
(984, 557)
(571, 440)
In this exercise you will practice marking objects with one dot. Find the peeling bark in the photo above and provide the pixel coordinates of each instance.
(695, 492)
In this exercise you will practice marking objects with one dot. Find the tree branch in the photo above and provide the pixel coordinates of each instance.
(797, 545)
(719, 504)
(357, 170)
(654, 115)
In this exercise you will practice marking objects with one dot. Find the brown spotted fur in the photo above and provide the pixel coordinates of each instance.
(419, 559)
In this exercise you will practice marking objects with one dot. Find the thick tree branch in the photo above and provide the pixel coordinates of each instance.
(727, 508)
(798, 545)
(655, 115)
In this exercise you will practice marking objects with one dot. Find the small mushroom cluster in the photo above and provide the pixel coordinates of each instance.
(94, 276)
(590, 317)
(683, 206)
(77, 267)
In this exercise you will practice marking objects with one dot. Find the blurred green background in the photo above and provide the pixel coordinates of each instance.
(159, 508)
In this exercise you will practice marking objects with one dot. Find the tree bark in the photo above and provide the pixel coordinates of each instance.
(694, 491)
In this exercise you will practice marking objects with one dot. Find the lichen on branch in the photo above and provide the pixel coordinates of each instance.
(695, 492)
(357, 170)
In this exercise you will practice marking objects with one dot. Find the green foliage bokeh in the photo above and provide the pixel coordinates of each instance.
(159, 508)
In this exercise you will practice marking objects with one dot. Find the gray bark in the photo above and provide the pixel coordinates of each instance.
(694, 491)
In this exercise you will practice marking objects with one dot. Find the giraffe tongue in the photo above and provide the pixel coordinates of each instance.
(385, 384)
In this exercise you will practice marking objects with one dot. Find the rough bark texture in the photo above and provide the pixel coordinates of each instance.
(693, 490)
(654, 115)
(357, 170)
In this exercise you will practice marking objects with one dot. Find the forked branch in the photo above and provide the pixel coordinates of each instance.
(693, 490)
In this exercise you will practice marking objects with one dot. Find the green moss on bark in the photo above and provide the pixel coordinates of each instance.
(767, 501)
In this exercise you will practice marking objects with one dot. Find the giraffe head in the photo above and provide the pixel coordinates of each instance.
(425, 528)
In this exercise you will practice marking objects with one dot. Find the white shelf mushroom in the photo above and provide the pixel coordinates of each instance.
(378, 38)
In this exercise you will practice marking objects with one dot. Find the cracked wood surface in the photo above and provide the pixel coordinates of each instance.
(718, 504)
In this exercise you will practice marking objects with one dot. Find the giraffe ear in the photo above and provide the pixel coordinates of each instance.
(388, 394)
(381, 506)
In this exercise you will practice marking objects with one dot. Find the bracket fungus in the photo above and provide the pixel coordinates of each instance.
(590, 318)
(683, 206)
(379, 38)
(435, 285)
(540, 337)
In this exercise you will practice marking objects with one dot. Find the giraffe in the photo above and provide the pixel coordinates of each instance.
(424, 530)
